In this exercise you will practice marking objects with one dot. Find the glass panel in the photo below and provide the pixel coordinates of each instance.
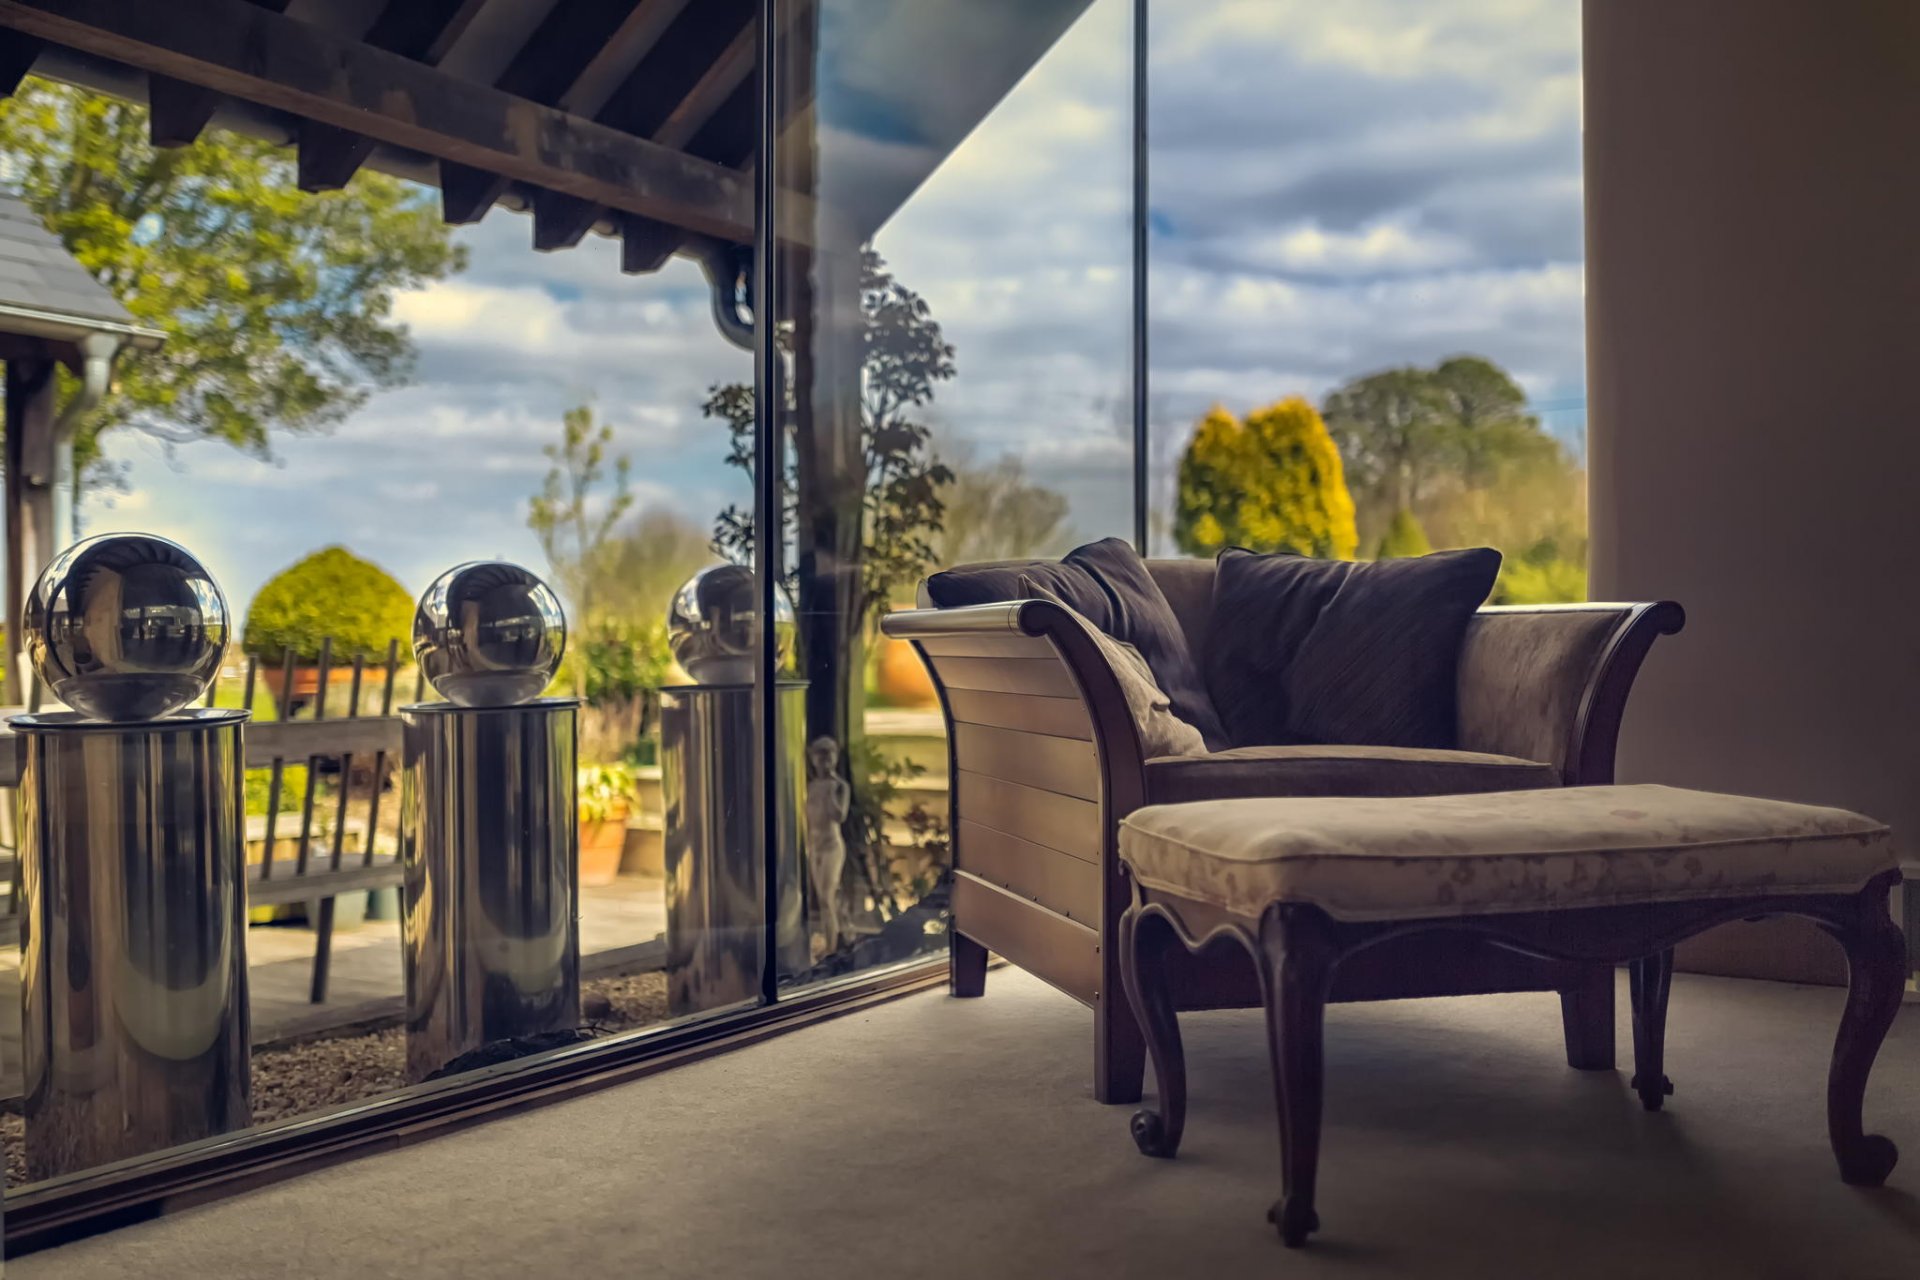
(1366, 233)
(954, 282)
(331, 400)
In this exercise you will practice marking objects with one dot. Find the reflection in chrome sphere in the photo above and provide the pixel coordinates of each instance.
(489, 634)
(710, 625)
(125, 626)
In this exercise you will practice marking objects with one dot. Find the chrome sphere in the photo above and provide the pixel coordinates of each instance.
(489, 634)
(711, 625)
(125, 627)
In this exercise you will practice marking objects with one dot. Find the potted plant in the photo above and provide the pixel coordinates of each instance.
(330, 593)
(605, 799)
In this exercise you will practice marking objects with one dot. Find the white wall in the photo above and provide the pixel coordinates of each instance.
(1753, 301)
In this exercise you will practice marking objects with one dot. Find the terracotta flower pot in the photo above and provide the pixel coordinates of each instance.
(290, 696)
(902, 678)
(601, 844)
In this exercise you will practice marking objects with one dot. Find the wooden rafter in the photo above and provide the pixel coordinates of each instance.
(645, 245)
(16, 59)
(704, 99)
(243, 51)
(554, 57)
(423, 30)
(178, 112)
(656, 87)
(726, 138)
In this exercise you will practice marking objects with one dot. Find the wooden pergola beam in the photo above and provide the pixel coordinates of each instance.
(423, 30)
(646, 245)
(178, 112)
(558, 52)
(660, 86)
(240, 50)
(561, 222)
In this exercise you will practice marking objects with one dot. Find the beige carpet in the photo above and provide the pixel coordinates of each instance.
(935, 1137)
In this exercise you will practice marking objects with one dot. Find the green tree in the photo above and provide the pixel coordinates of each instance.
(329, 593)
(570, 515)
(1273, 482)
(1389, 429)
(643, 562)
(1482, 416)
(278, 305)
(1404, 537)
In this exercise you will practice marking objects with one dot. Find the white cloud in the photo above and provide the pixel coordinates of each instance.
(1336, 188)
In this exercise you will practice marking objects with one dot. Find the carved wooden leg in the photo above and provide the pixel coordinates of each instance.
(1119, 1049)
(966, 965)
(1299, 961)
(1586, 1020)
(1146, 945)
(1876, 972)
(1648, 980)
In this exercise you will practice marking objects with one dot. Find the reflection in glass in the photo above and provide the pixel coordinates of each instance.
(954, 336)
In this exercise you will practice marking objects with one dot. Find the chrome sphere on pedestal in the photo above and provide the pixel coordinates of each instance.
(489, 634)
(125, 627)
(712, 625)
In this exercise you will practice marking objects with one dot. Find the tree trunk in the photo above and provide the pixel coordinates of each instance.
(831, 475)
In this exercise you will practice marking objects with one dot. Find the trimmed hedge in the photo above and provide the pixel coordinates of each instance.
(330, 593)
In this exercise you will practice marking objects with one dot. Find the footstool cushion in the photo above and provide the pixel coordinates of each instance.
(1360, 859)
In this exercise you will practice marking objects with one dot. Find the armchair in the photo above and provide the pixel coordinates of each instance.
(1045, 761)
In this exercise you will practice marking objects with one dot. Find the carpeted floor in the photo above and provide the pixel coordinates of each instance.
(935, 1137)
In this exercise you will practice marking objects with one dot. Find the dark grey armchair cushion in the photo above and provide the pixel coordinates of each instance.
(1339, 652)
(1108, 584)
(1338, 771)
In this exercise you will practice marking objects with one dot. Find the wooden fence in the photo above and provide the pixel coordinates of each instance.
(362, 735)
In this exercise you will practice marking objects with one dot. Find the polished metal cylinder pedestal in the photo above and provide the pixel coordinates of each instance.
(490, 850)
(133, 983)
(716, 900)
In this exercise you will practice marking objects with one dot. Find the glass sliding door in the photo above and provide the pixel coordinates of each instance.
(951, 282)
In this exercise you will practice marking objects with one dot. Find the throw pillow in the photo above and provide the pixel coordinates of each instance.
(1338, 652)
(1106, 583)
(1162, 731)
(1142, 618)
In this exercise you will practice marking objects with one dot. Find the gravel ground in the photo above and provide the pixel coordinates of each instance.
(291, 1080)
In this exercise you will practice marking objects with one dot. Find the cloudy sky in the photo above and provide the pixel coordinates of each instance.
(1338, 186)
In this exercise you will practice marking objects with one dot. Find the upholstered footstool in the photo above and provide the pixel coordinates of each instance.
(1597, 874)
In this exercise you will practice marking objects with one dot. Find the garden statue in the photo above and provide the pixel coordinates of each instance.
(828, 800)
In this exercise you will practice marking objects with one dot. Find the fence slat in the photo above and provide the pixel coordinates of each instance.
(345, 785)
(302, 850)
(380, 757)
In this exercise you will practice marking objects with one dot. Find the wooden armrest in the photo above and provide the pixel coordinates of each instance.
(1029, 648)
